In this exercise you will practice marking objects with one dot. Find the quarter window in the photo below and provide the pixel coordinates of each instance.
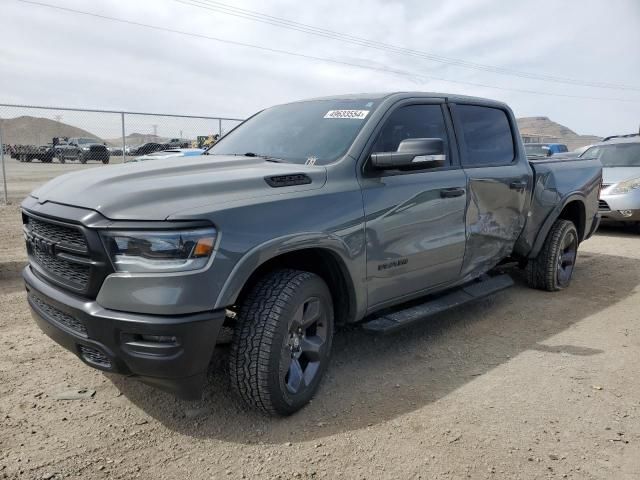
(487, 135)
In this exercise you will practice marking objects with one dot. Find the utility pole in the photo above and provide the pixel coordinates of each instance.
(58, 118)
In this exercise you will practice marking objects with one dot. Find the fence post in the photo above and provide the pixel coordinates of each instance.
(4, 172)
(123, 137)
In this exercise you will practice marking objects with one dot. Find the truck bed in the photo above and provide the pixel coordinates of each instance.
(557, 182)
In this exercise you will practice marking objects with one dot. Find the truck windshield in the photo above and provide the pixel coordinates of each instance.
(315, 132)
(615, 155)
(83, 141)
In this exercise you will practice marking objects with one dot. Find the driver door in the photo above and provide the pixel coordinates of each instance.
(415, 219)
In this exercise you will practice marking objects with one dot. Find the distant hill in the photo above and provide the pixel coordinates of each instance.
(27, 130)
(559, 133)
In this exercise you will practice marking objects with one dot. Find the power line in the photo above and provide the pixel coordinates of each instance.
(403, 73)
(253, 15)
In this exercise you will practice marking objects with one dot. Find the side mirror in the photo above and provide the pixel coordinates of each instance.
(413, 152)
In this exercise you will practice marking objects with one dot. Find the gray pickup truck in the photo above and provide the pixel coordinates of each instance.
(377, 209)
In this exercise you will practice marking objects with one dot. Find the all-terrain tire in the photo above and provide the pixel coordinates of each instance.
(266, 336)
(550, 269)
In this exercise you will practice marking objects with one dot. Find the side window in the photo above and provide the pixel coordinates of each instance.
(412, 121)
(487, 135)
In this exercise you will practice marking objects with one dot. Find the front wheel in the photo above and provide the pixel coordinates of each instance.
(553, 268)
(282, 341)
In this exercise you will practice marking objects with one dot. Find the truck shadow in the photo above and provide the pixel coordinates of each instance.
(374, 379)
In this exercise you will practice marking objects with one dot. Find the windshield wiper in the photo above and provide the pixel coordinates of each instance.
(268, 158)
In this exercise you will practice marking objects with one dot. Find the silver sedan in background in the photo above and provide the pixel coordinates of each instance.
(620, 196)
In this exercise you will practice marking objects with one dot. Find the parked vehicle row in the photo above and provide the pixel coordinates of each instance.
(307, 216)
(62, 149)
(28, 153)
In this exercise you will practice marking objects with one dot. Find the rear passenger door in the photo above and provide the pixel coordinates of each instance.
(497, 184)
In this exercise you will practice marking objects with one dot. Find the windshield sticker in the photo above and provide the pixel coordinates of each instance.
(311, 161)
(353, 114)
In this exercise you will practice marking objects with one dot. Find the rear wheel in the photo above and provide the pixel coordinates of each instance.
(282, 341)
(105, 160)
(552, 269)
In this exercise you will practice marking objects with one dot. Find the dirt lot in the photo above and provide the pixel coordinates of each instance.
(524, 385)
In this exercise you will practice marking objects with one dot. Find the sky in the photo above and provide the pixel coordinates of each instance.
(56, 57)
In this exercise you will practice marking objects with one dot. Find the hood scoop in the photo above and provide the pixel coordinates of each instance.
(289, 180)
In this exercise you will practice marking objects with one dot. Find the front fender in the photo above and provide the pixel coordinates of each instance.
(351, 258)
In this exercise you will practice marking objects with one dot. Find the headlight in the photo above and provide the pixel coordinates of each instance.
(86, 149)
(160, 251)
(626, 186)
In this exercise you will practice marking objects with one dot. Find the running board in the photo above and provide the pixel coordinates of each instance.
(392, 321)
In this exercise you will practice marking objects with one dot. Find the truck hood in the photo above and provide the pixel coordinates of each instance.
(611, 175)
(155, 190)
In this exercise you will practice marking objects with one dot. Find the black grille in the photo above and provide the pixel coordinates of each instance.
(59, 316)
(74, 273)
(602, 205)
(57, 233)
(95, 356)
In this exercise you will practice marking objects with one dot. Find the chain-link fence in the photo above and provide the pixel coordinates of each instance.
(39, 143)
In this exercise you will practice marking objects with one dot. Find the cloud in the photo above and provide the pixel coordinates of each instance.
(50, 57)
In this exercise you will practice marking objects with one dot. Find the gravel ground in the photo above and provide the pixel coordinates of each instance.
(524, 385)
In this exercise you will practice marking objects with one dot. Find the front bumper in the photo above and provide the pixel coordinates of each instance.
(608, 215)
(113, 341)
(619, 208)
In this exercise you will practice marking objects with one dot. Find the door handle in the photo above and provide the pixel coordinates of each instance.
(451, 192)
(519, 185)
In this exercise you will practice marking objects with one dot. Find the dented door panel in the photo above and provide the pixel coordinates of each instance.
(496, 214)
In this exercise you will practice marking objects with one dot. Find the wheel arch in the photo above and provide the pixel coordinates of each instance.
(324, 255)
(573, 209)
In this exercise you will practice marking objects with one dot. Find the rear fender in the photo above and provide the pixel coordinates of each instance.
(550, 220)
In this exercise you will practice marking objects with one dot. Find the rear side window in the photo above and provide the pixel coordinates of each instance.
(487, 135)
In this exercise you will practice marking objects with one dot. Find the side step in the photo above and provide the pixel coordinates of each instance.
(392, 321)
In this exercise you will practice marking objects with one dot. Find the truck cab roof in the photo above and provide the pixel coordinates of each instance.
(399, 95)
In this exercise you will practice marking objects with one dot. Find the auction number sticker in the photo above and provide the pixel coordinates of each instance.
(353, 114)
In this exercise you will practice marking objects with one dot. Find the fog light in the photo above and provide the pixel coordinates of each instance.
(626, 213)
(159, 338)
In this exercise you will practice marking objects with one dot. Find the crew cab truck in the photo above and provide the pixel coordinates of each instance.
(307, 216)
(82, 150)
